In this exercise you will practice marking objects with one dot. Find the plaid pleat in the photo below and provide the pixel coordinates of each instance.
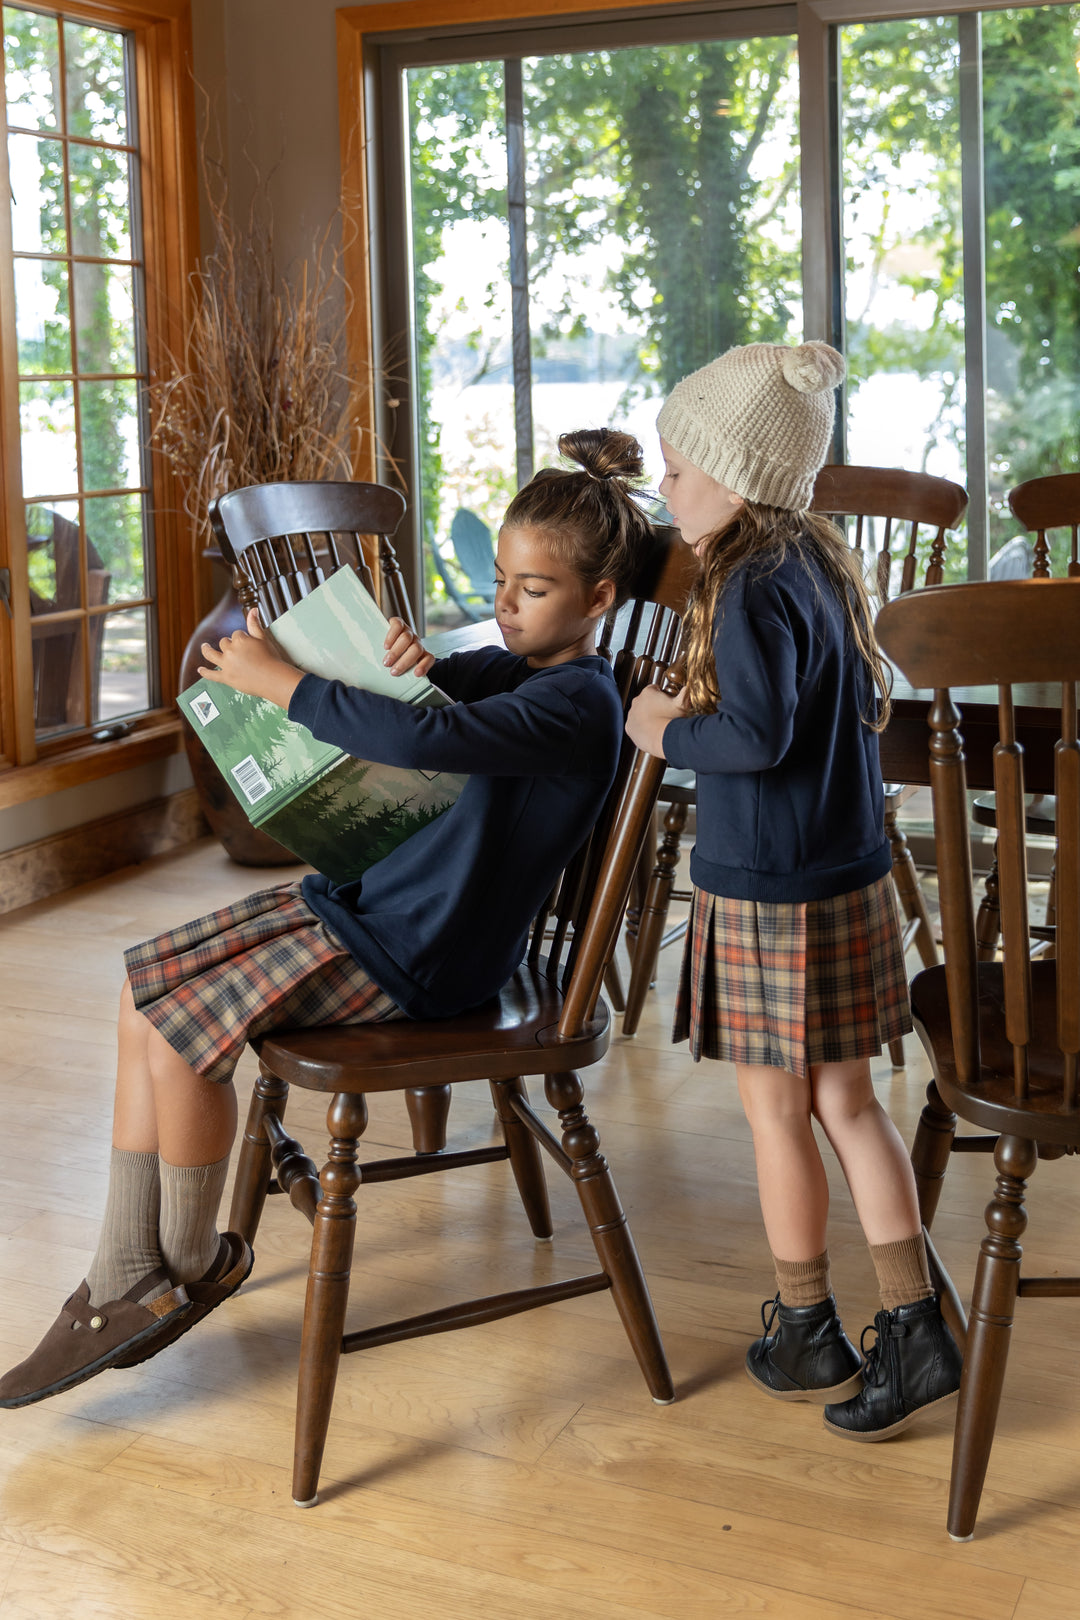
(267, 962)
(787, 985)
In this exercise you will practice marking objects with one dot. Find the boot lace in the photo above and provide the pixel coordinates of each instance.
(772, 1306)
(872, 1372)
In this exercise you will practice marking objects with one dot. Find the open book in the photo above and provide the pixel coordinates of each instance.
(338, 813)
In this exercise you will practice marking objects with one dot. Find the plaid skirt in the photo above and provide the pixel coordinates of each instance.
(787, 985)
(267, 962)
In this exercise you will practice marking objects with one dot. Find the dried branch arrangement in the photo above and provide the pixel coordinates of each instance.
(260, 394)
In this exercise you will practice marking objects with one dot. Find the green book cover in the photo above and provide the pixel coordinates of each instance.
(338, 813)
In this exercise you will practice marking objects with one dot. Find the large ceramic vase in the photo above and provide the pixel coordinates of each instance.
(242, 842)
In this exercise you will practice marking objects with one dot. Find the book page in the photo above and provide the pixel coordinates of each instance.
(338, 632)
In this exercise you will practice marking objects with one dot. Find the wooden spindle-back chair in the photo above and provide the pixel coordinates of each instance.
(549, 1020)
(1003, 1037)
(282, 540)
(912, 507)
(1041, 505)
(1049, 503)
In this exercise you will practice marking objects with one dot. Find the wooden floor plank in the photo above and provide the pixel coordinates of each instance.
(515, 1467)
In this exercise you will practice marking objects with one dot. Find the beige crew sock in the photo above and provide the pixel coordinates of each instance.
(803, 1282)
(190, 1195)
(128, 1247)
(902, 1272)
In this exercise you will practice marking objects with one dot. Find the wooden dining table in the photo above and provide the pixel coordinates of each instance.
(905, 751)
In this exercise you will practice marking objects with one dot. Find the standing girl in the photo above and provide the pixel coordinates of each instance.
(436, 927)
(794, 969)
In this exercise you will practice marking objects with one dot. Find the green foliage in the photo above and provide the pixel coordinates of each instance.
(901, 103)
(651, 148)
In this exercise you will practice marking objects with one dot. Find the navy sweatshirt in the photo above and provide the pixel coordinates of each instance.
(789, 796)
(441, 923)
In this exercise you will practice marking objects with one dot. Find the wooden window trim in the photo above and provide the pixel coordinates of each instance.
(161, 31)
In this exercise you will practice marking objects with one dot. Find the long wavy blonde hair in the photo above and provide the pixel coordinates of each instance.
(769, 534)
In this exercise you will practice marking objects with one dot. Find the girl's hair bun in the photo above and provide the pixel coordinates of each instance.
(813, 367)
(604, 453)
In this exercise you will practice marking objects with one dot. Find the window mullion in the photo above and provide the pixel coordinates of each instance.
(521, 345)
(974, 239)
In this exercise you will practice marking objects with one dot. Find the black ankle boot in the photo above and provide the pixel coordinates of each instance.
(808, 1358)
(913, 1368)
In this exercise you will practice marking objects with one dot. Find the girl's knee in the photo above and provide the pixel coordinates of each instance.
(841, 1093)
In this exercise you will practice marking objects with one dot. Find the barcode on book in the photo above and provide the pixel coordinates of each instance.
(250, 780)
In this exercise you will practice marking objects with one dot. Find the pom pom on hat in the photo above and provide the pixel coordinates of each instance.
(813, 367)
(758, 419)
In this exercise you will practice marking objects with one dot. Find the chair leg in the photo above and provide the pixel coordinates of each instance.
(930, 1152)
(988, 917)
(650, 928)
(327, 1293)
(253, 1168)
(997, 1279)
(429, 1110)
(525, 1159)
(912, 902)
(613, 985)
(610, 1230)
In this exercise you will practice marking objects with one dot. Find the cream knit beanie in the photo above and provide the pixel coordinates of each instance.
(758, 419)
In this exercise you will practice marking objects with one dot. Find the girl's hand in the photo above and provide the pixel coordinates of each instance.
(249, 663)
(649, 714)
(405, 651)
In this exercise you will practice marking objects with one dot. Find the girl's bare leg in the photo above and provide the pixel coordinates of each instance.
(870, 1149)
(792, 1185)
(162, 1105)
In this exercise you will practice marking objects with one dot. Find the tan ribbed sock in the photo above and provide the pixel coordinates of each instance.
(902, 1273)
(190, 1195)
(128, 1247)
(803, 1282)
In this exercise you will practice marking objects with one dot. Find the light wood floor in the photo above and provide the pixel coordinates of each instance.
(512, 1470)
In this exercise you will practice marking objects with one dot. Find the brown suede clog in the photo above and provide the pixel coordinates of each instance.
(85, 1339)
(233, 1261)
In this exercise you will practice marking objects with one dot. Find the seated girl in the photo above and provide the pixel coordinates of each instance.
(436, 927)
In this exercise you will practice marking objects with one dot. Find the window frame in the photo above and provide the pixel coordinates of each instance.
(160, 34)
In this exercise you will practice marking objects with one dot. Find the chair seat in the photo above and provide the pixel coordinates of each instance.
(678, 787)
(991, 1104)
(1040, 814)
(430, 1052)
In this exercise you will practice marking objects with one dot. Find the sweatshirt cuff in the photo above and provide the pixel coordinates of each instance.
(305, 700)
(674, 732)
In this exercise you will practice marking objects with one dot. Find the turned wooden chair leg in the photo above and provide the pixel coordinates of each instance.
(993, 1302)
(525, 1159)
(253, 1169)
(988, 917)
(650, 929)
(327, 1293)
(611, 1234)
(912, 902)
(429, 1110)
(614, 986)
(930, 1152)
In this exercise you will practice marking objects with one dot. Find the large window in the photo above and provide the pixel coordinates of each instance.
(587, 226)
(593, 209)
(81, 580)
